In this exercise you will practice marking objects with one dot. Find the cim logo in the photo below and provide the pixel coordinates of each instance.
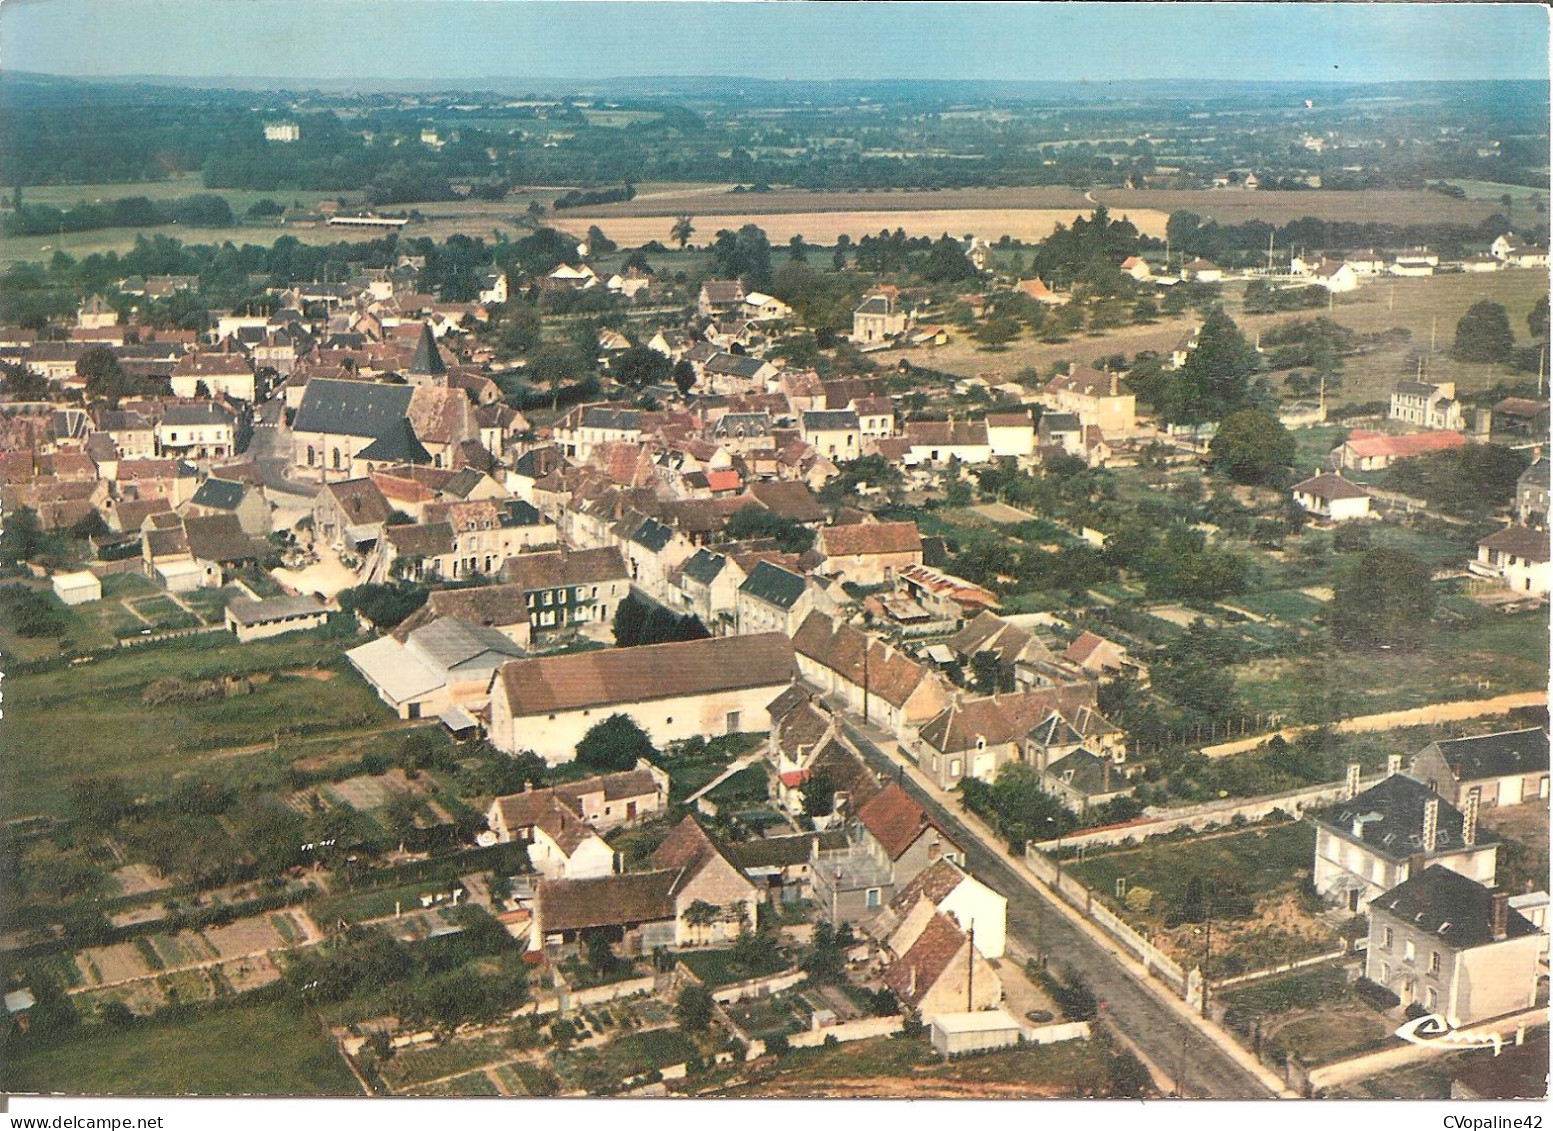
(1432, 1029)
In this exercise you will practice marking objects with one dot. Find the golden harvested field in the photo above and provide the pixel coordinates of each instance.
(717, 200)
(1232, 206)
(822, 227)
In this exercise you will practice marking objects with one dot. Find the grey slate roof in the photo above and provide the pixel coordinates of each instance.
(222, 494)
(515, 512)
(452, 642)
(704, 566)
(829, 420)
(653, 535)
(397, 443)
(1450, 906)
(244, 611)
(614, 419)
(351, 408)
(1060, 422)
(427, 361)
(774, 585)
(1396, 811)
(1497, 755)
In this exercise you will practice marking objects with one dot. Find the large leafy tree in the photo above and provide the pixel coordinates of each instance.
(613, 744)
(1253, 447)
(1484, 334)
(946, 263)
(1216, 378)
(745, 254)
(1382, 599)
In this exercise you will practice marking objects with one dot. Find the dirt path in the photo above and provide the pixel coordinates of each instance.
(261, 747)
(1391, 720)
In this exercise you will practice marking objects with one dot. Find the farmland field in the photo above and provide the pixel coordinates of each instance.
(822, 226)
(1237, 207)
(60, 727)
(267, 1048)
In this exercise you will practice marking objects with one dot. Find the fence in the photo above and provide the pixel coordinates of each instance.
(171, 634)
(1154, 960)
(1284, 968)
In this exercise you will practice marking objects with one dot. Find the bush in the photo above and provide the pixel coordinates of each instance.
(1376, 994)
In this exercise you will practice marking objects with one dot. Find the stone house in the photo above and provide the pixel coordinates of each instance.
(1507, 768)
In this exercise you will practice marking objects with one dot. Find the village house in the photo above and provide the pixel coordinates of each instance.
(1021, 656)
(442, 668)
(1531, 495)
(274, 616)
(214, 374)
(869, 553)
(1517, 557)
(1374, 451)
(1336, 276)
(672, 691)
(943, 595)
(1104, 659)
(569, 589)
(946, 888)
(1454, 946)
(1426, 404)
(499, 607)
(771, 599)
(351, 511)
(889, 841)
(1010, 434)
(879, 318)
(561, 845)
(977, 737)
(1097, 400)
(1515, 417)
(1081, 779)
(886, 686)
(941, 972)
(1201, 271)
(587, 426)
(225, 496)
(1330, 497)
(1375, 840)
(837, 433)
(1061, 431)
(706, 586)
(719, 296)
(1506, 768)
(937, 442)
(193, 432)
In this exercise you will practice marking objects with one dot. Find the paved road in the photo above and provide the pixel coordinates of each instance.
(1176, 1048)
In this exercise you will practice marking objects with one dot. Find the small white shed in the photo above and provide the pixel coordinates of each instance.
(77, 588)
(956, 1033)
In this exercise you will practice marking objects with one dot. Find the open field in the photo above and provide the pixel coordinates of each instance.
(716, 201)
(61, 726)
(267, 1048)
(1231, 206)
(823, 226)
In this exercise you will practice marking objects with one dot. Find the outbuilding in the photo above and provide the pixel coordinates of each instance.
(957, 1033)
(77, 588)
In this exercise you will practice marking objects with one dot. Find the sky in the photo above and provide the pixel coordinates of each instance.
(452, 40)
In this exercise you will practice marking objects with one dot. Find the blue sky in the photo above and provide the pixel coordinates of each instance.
(776, 39)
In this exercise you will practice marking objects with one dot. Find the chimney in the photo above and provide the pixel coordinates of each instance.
(1115, 384)
(1351, 790)
(1393, 764)
(1469, 816)
(1431, 828)
(1499, 915)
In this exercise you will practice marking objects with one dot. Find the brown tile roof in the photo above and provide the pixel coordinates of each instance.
(655, 671)
(1001, 718)
(1330, 485)
(420, 540)
(895, 820)
(219, 538)
(1370, 444)
(1521, 541)
(555, 569)
(788, 500)
(848, 772)
(913, 975)
(614, 787)
(1085, 383)
(870, 538)
(948, 434)
(490, 606)
(934, 882)
(361, 501)
(605, 901)
(892, 675)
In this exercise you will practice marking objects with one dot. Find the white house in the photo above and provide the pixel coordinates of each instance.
(1516, 556)
(1332, 497)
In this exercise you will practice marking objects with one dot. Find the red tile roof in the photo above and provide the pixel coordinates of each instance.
(895, 820)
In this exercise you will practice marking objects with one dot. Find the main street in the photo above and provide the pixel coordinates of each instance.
(1200, 1068)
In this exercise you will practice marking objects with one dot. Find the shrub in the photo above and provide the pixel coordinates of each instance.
(1376, 994)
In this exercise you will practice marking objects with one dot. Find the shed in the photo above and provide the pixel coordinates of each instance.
(956, 1033)
(78, 587)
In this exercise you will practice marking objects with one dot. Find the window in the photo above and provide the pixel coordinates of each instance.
(1388, 939)
(548, 596)
(1434, 962)
(1385, 973)
(872, 898)
(1409, 952)
(1431, 998)
(954, 767)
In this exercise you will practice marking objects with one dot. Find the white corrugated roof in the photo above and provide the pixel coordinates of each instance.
(397, 672)
(981, 1021)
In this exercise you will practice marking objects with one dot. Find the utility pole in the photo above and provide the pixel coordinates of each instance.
(970, 970)
(1207, 949)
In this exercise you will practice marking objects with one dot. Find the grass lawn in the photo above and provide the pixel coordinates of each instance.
(1261, 917)
(90, 721)
(718, 968)
(260, 1049)
(1315, 1014)
(1490, 655)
